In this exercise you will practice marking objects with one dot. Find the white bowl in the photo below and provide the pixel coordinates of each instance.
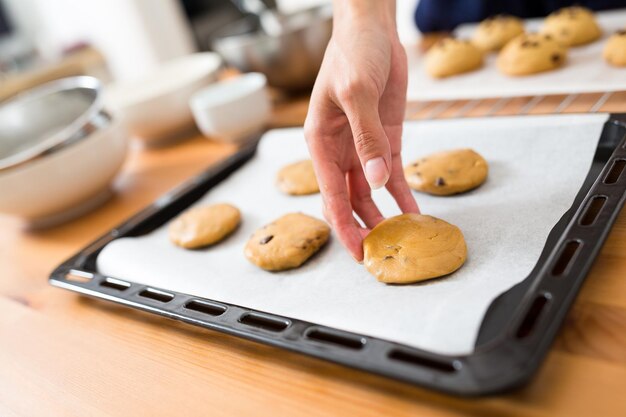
(233, 109)
(66, 183)
(155, 107)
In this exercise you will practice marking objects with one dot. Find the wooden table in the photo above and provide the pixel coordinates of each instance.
(65, 355)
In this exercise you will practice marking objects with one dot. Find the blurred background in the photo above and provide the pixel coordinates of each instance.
(81, 80)
(120, 39)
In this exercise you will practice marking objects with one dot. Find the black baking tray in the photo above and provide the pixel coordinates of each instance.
(516, 332)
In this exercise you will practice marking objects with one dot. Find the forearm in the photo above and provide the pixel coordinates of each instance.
(348, 13)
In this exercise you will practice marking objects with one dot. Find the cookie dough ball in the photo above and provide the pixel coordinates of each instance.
(452, 56)
(287, 242)
(413, 247)
(530, 54)
(615, 49)
(572, 26)
(495, 32)
(203, 226)
(447, 173)
(298, 179)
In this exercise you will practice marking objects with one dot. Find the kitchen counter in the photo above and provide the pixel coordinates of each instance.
(63, 354)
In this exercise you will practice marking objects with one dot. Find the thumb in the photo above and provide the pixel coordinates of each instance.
(370, 140)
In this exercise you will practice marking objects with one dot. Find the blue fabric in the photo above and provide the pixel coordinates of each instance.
(445, 15)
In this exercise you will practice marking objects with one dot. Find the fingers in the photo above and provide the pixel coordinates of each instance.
(337, 207)
(370, 140)
(361, 199)
(399, 189)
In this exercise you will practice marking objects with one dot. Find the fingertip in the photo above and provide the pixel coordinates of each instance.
(357, 255)
(356, 250)
(350, 236)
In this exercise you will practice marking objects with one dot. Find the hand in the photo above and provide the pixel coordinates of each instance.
(354, 124)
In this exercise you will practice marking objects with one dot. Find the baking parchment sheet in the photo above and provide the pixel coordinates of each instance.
(537, 165)
(585, 71)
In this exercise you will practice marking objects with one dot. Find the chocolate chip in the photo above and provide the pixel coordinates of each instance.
(415, 164)
(387, 257)
(266, 239)
(547, 37)
(556, 58)
(528, 43)
(440, 182)
(621, 32)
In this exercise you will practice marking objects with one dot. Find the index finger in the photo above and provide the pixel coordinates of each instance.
(334, 190)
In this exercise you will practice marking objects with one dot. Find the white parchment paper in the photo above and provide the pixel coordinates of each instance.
(537, 165)
(585, 71)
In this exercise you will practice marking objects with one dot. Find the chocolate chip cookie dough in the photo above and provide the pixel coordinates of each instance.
(530, 54)
(287, 242)
(614, 51)
(203, 226)
(494, 32)
(572, 26)
(452, 56)
(447, 172)
(298, 179)
(413, 247)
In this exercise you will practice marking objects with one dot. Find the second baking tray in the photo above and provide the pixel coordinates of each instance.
(584, 72)
(513, 336)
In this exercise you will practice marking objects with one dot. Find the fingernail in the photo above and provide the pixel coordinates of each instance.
(376, 172)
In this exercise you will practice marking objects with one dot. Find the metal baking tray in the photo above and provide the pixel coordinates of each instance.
(515, 334)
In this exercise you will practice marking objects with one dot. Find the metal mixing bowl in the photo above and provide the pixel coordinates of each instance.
(47, 118)
(59, 152)
(290, 60)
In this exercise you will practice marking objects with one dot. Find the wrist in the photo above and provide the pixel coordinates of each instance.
(380, 14)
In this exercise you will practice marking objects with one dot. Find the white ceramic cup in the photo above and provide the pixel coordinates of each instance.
(155, 108)
(234, 109)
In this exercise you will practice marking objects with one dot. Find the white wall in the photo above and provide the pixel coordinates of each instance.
(134, 35)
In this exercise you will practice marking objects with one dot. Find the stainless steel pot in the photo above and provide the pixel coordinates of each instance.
(291, 59)
(49, 117)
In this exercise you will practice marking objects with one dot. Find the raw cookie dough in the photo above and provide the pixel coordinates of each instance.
(447, 172)
(298, 179)
(413, 247)
(452, 56)
(572, 26)
(615, 49)
(203, 226)
(530, 54)
(495, 32)
(287, 242)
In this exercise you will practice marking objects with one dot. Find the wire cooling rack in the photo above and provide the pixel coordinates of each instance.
(607, 102)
